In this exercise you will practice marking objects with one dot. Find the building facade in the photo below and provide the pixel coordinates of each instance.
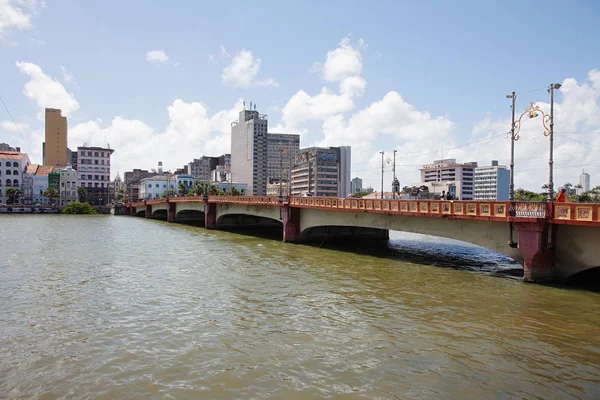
(68, 186)
(318, 171)
(13, 165)
(281, 154)
(54, 148)
(491, 182)
(249, 151)
(449, 170)
(185, 179)
(132, 183)
(154, 187)
(94, 173)
(201, 167)
(356, 185)
(584, 182)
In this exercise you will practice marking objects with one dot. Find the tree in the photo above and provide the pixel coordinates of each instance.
(170, 192)
(183, 190)
(52, 194)
(526, 195)
(120, 194)
(78, 208)
(12, 193)
(545, 186)
(360, 194)
(82, 193)
(232, 191)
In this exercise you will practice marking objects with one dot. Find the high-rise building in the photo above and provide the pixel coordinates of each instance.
(319, 171)
(449, 170)
(94, 173)
(491, 182)
(249, 150)
(201, 167)
(584, 182)
(356, 185)
(54, 148)
(281, 153)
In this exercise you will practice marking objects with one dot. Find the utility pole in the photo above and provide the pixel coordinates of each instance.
(382, 165)
(551, 160)
(511, 187)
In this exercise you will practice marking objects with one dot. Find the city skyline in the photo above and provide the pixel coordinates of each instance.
(346, 86)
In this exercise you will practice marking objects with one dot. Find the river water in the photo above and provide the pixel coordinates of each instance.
(118, 307)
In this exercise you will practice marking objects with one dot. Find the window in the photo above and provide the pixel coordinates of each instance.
(149, 185)
(16, 172)
(15, 182)
(96, 162)
(8, 182)
(89, 153)
(8, 172)
(15, 164)
(157, 185)
(8, 163)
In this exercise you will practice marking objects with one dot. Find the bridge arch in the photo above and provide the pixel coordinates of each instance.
(239, 214)
(488, 234)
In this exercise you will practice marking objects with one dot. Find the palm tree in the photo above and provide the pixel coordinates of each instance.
(183, 190)
(52, 194)
(11, 193)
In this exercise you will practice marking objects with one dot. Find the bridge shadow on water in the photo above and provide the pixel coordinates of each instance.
(433, 251)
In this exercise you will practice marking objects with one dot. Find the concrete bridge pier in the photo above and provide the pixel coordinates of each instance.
(291, 223)
(132, 211)
(210, 215)
(148, 213)
(536, 243)
(171, 211)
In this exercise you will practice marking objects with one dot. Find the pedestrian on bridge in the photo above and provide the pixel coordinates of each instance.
(562, 197)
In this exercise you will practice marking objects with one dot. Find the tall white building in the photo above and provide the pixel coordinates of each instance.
(449, 170)
(345, 187)
(13, 165)
(255, 152)
(584, 181)
(281, 153)
(492, 182)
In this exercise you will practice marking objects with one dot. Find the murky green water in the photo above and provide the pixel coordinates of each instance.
(119, 307)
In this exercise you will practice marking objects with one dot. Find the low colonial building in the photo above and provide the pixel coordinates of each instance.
(68, 186)
(154, 187)
(13, 165)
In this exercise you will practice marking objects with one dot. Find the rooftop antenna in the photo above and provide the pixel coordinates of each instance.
(254, 106)
(244, 105)
(250, 106)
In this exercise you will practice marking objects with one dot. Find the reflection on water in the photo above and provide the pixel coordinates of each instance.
(118, 307)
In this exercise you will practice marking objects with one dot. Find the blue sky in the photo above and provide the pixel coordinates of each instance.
(448, 64)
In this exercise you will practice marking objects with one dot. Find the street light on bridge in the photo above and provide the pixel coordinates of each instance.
(548, 123)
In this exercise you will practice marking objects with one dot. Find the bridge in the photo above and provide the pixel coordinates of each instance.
(553, 241)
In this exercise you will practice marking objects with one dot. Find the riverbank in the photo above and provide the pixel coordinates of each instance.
(23, 209)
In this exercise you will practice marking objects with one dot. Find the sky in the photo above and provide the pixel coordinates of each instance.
(163, 81)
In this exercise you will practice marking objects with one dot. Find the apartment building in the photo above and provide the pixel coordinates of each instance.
(463, 174)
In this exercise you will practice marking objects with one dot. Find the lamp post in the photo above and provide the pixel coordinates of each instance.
(394, 180)
(511, 187)
(382, 164)
(548, 123)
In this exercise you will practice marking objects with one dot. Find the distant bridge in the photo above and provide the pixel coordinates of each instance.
(552, 240)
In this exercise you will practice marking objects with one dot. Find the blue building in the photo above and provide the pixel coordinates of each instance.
(492, 182)
(187, 180)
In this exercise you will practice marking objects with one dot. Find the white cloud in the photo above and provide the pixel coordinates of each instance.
(67, 76)
(10, 126)
(45, 91)
(212, 59)
(17, 15)
(224, 53)
(342, 62)
(243, 70)
(157, 57)
(191, 133)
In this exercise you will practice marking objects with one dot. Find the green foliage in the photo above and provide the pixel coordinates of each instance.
(183, 190)
(232, 191)
(201, 188)
(79, 208)
(360, 194)
(12, 193)
(526, 195)
(82, 193)
(52, 194)
(121, 194)
(170, 192)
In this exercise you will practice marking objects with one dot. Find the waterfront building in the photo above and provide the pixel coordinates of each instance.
(94, 173)
(154, 187)
(68, 186)
(132, 183)
(584, 182)
(54, 147)
(201, 168)
(491, 182)
(277, 187)
(281, 153)
(13, 165)
(186, 179)
(225, 186)
(116, 187)
(434, 189)
(449, 170)
(220, 174)
(356, 185)
(320, 171)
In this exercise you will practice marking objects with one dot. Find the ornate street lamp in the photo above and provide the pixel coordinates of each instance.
(548, 123)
